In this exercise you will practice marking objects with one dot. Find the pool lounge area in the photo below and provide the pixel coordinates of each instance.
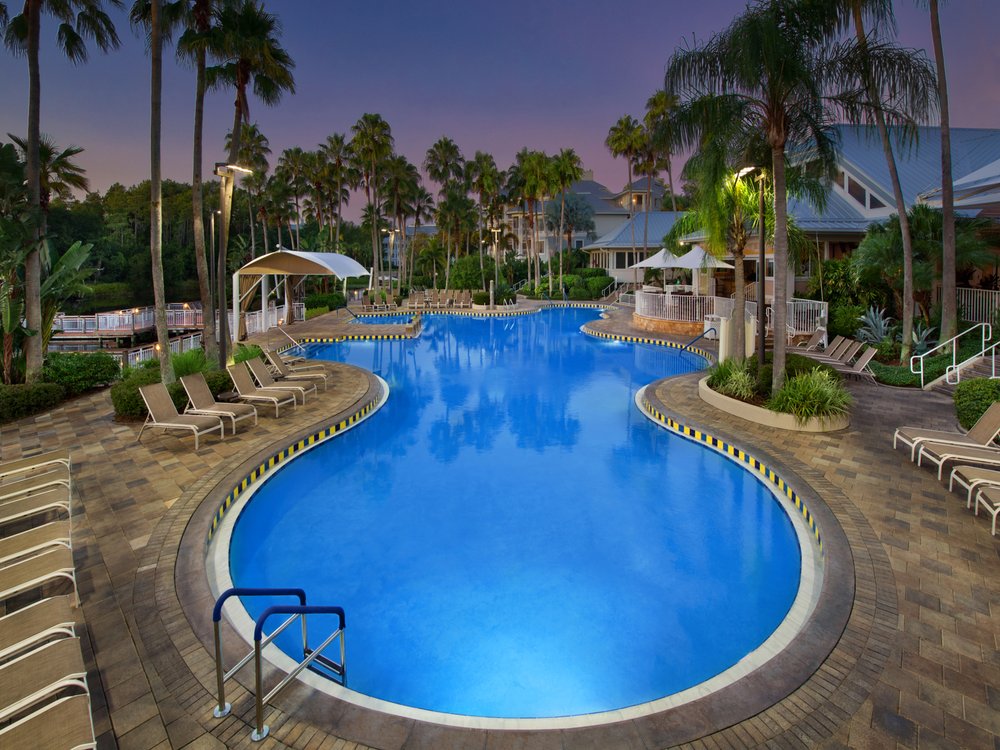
(904, 652)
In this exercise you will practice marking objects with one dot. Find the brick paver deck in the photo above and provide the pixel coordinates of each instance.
(917, 666)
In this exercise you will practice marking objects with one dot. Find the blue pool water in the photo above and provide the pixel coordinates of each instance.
(401, 319)
(511, 537)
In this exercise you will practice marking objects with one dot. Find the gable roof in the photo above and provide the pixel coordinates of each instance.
(660, 223)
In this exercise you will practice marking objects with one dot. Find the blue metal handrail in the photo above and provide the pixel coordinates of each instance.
(687, 346)
(223, 708)
(309, 655)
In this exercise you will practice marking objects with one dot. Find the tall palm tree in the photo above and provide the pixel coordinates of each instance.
(254, 150)
(245, 43)
(949, 302)
(60, 174)
(484, 179)
(401, 180)
(444, 164)
(516, 197)
(567, 168)
(193, 44)
(371, 145)
(897, 85)
(659, 121)
(294, 164)
(335, 149)
(625, 139)
(79, 20)
(536, 171)
(421, 209)
(766, 65)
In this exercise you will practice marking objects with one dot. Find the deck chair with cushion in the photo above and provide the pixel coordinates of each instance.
(32, 464)
(41, 676)
(55, 500)
(263, 377)
(28, 628)
(163, 414)
(284, 372)
(35, 572)
(201, 401)
(249, 391)
(860, 367)
(66, 722)
(938, 454)
(980, 435)
(814, 341)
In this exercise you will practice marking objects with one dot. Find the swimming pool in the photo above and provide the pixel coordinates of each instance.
(510, 537)
(396, 319)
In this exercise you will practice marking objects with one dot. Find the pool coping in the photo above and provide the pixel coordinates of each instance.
(743, 708)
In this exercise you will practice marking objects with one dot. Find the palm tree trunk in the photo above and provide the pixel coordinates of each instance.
(336, 241)
(253, 229)
(208, 341)
(670, 183)
(630, 206)
(155, 195)
(562, 223)
(739, 332)
(645, 218)
(298, 221)
(897, 191)
(779, 311)
(34, 356)
(949, 311)
(226, 206)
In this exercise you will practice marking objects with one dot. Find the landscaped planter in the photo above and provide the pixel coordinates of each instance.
(767, 417)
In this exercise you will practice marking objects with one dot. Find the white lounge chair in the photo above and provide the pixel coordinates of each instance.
(988, 498)
(266, 382)
(28, 628)
(938, 454)
(248, 391)
(980, 435)
(201, 401)
(163, 414)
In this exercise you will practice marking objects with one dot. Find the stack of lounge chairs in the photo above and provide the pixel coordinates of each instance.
(974, 456)
(845, 356)
(44, 699)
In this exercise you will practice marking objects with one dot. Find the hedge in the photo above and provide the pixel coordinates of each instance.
(480, 298)
(78, 373)
(973, 398)
(128, 402)
(315, 312)
(331, 301)
(22, 400)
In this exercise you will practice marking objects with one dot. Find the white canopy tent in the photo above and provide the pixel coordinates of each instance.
(294, 266)
(695, 259)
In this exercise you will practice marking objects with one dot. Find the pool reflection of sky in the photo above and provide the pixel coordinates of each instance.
(510, 537)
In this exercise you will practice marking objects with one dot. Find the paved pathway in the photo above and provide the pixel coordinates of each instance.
(918, 667)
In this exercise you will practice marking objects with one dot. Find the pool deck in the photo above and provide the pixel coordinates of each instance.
(918, 665)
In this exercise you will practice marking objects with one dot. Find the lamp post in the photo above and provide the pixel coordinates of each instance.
(226, 174)
(496, 256)
(211, 256)
(762, 273)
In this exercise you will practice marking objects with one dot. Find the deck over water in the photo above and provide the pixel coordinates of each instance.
(918, 664)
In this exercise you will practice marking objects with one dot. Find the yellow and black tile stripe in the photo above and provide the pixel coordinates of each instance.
(280, 457)
(642, 340)
(742, 457)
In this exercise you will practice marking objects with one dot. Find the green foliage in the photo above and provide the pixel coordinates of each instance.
(578, 293)
(189, 362)
(875, 326)
(571, 280)
(973, 398)
(243, 352)
(591, 273)
(841, 286)
(812, 394)
(481, 298)
(21, 400)
(218, 381)
(330, 301)
(127, 401)
(934, 367)
(888, 350)
(734, 379)
(597, 284)
(315, 312)
(466, 274)
(795, 364)
(843, 320)
(77, 373)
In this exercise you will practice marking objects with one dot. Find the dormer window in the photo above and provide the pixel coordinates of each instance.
(861, 194)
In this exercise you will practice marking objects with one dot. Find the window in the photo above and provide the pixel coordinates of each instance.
(620, 260)
(856, 190)
(579, 244)
(840, 178)
(770, 268)
(874, 202)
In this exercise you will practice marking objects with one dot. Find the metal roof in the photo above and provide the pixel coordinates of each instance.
(660, 223)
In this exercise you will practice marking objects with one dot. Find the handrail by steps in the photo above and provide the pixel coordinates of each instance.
(954, 369)
(707, 331)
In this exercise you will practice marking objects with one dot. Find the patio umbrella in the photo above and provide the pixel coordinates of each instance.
(696, 259)
(662, 260)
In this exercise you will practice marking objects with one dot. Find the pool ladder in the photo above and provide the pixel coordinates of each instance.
(309, 655)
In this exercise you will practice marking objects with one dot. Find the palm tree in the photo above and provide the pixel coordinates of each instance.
(293, 164)
(766, 67)
(444, 164)
(336, 151)
(625, 140)
(536, 174)
(78, 20)
(371, 145)
(949, 301)
(659, 122)
(897, 86)
(194, 43)
(245, 42)
(401, 180)
(566, 169)
(254, 150)
(484, 179)
(421, 209)
(60, 174)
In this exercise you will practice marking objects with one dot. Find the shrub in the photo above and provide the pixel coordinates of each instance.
(795, 364)
(597, 284)
(480, 298)
(22, 400)
(571, 280)
(580, 293)
(243, 352)
(331, 301)
(128, 402)
(189, 362)
(218, 381)
(315, 312)
(888, 351)
(843, 320)
(813, 394)
(973, 398)
(591, 273)
(875, 326)
(77, 373)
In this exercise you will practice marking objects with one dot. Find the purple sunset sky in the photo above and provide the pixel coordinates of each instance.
(492, 76)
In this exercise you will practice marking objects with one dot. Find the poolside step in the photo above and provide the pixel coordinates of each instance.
(981, 368)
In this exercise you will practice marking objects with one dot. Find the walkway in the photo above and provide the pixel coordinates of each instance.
(918, 667)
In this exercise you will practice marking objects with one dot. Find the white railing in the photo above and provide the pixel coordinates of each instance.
(977, 305)
(953, 372)
(133, 357)
(681, 307)
(255, 319)
(122, 322)
(805, 316)
(627, 299)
